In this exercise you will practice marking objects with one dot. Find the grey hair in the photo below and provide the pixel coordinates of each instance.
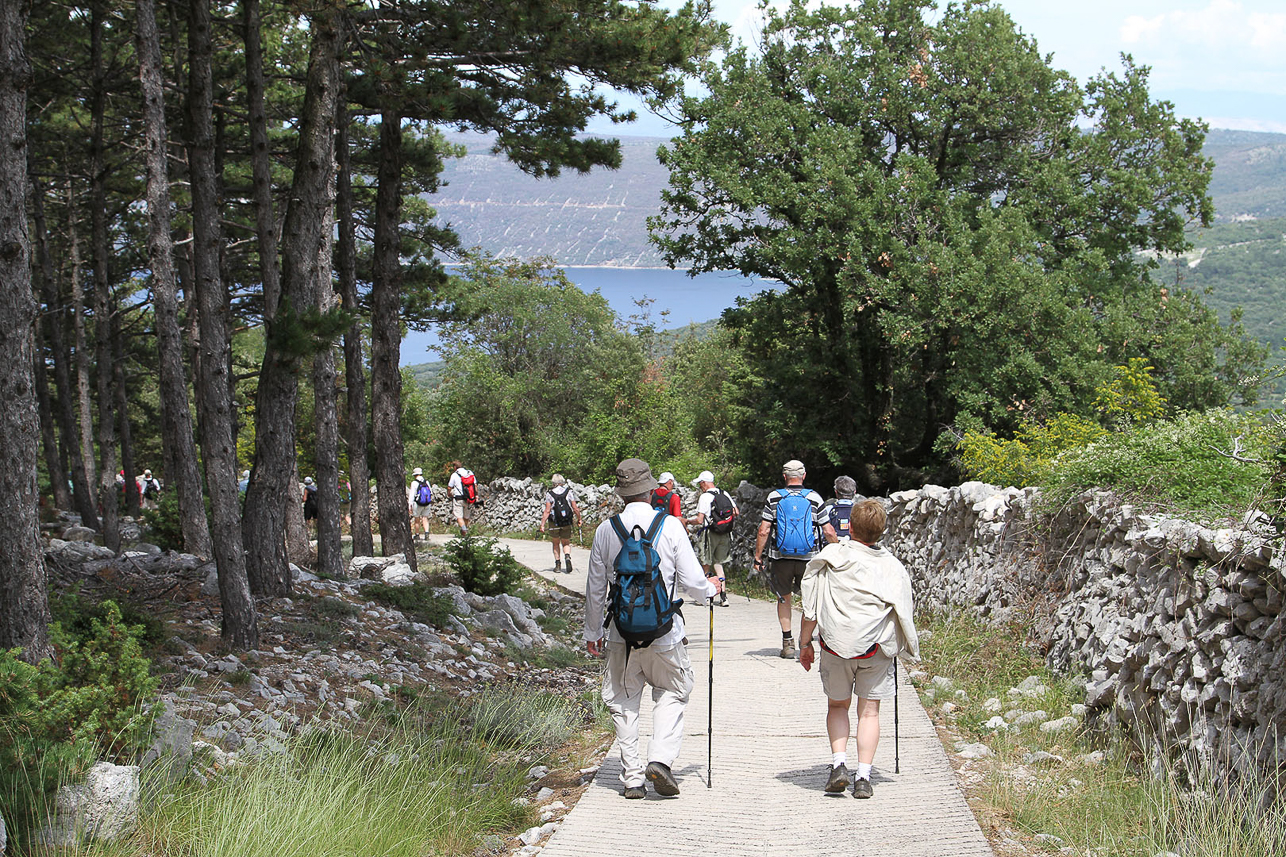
(558, 479)
(845, 487)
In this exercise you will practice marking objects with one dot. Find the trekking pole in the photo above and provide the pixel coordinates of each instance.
(897, 766)
(710, 716)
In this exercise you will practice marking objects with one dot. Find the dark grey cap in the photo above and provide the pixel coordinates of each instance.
(634, 477)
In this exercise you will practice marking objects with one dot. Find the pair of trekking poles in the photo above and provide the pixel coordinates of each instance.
(897, 760)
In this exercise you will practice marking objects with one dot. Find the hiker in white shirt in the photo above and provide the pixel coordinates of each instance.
(419, 511)
(663, 664)
(858, 595)
(461, 505)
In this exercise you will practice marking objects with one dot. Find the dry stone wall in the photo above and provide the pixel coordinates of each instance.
(1176, 626)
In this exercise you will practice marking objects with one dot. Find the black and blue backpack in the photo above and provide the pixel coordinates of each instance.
(638, 604)
(796, 536)
(839, 515)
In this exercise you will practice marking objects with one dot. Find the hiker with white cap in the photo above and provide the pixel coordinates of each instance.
(149, 489)
(793, 517)
(643, 581)
(665, 496)
(858, 596)
(560, 502)
(419, 496)
(716, 513)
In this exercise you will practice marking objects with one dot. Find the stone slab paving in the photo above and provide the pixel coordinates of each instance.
(769, 757)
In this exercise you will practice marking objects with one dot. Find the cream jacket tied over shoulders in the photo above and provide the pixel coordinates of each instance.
(860, 596)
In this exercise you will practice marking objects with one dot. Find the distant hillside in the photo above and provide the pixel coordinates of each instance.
(598, 218)
(1250, 174)
(1242, 264)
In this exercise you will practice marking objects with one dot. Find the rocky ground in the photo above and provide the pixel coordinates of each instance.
(329, 653)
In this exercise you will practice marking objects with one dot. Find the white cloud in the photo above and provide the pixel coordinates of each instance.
(1137, 28)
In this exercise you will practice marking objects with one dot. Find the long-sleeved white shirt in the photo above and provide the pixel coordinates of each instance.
(677, 557)
(859, 596)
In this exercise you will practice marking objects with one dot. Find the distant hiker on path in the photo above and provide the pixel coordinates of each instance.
(716, 513)
(463, 487)
(149, 489)
(666, 497)
(859, 596)
(793, 517)
(837, 510)
(310, 499)
(660, 557)
(561, 505)
(419, 499)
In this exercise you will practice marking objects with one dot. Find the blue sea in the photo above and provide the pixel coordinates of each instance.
(684, 299)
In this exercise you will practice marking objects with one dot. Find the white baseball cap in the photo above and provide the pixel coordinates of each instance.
(665, 477)
(703, 476)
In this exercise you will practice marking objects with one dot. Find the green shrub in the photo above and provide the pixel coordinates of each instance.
(418, 601)
(1209, 463)
(1027, 458)
(162, 523)
(56, 719)
(482, 566)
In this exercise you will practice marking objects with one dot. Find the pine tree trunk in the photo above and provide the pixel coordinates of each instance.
(100, 254)
(24, 608)
(80, 336)
(48, 438)
(354, 373)
(240, 626)
(119, 390)
(182, 468)
(386, 345)
(82, 497)
(306, 254)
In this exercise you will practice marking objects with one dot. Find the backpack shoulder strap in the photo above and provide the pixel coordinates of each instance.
(615, 521)
(657, 521)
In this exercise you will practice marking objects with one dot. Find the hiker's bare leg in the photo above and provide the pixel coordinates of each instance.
(868, 729)
(783, 612)
(837, 723)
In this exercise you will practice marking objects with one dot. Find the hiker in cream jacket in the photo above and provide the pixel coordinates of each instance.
(858, 596)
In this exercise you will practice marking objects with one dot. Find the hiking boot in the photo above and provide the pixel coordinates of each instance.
(567, 561)
(635, 792)
(662, 779)
(723, 599)
(788, 648)
(839, 780)
(862, 788)
(558, 566)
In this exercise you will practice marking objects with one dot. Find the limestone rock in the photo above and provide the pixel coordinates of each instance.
(105, 807)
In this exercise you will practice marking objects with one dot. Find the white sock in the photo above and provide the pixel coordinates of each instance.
(838, 759)
(863, 771)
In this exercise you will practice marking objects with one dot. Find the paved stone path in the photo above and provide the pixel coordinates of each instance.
(770, 760)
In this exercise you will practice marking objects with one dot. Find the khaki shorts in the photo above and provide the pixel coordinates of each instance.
(865, 678)
(461, 509)
(422, 511)
(714, 548)
(562, 534)
(785, 575)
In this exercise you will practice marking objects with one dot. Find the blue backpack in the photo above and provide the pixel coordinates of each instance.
(796, 535)
(638, 604)
(424, 494)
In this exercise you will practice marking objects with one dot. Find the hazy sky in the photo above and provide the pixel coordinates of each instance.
(1221, 60)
